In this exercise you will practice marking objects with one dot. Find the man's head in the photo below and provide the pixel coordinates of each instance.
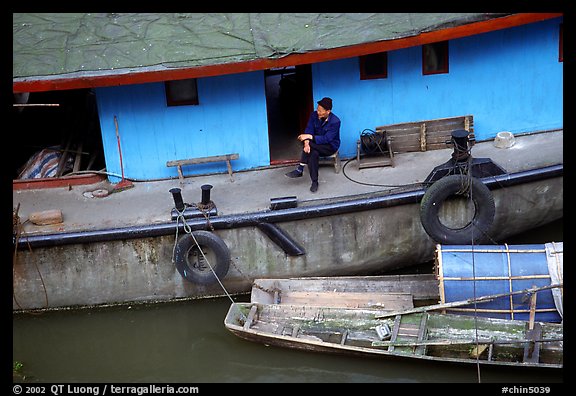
(324, 107)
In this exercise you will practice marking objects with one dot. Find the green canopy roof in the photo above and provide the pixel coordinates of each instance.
(56, 44)
(75, 50)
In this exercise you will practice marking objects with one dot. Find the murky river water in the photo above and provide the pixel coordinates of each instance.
(187, 342)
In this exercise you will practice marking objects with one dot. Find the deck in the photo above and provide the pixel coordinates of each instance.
(151, 202)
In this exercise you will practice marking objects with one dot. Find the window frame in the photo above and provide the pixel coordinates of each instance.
(363, 63)
(444, 58)
(169, 88)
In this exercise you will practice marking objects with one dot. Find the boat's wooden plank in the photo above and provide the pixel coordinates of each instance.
(388, 301)
(395, 330)
(421, 349)
(532, 349)
(250, 318)
(295, 331)
(408, 331)
(265, 327)
(421, 286)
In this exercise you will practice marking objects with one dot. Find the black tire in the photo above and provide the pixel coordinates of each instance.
(476, 231)
(190, 262)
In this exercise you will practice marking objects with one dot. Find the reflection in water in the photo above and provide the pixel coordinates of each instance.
(187, 342)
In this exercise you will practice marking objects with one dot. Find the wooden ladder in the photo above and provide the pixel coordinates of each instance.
(407, 329)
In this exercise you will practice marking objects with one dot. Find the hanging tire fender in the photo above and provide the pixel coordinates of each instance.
(190, 262)
(476, 230)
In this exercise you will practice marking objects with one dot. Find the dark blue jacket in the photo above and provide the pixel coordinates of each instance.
(327, 132)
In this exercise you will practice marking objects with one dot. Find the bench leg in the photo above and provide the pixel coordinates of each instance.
(229, 165)
(180, 175)
(337, 163)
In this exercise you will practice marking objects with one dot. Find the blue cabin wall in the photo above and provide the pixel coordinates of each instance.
(231, 118)
(509, 80)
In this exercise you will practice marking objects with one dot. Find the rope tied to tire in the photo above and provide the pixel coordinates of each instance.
(190, 242)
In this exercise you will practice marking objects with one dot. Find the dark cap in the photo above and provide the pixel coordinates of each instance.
(326, 103)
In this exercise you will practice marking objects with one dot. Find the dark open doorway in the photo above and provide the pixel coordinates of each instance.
(58, 134)
(289, 103)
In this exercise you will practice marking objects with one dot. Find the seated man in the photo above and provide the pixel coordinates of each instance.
(321, 139)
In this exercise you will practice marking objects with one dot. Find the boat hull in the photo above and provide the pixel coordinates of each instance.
(442, 337)
(350, 238)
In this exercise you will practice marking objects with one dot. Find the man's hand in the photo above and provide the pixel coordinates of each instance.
(305, 136)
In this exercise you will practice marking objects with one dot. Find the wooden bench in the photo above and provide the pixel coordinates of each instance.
(204, 160)
(333, 160)
(414, 136)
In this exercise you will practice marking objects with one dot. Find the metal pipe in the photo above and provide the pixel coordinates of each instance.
(282, 239)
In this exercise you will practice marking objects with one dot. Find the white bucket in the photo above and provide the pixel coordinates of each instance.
(504, 140)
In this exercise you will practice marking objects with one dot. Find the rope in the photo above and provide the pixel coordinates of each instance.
(476, 337)
(464, 168)
(188, 230)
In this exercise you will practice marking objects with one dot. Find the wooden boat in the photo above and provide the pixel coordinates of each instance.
(381, 333)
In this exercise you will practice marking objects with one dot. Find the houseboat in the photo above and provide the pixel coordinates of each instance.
(195, 116)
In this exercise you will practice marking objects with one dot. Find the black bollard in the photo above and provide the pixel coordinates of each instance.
(206, 193)
(460, 141)
(177, 196)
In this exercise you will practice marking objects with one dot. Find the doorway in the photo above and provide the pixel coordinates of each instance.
(58, 134)
(288, 103)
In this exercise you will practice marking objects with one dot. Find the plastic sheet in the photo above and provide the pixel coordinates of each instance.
(109, 43)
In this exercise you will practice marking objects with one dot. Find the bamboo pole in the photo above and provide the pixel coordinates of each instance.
(460, 342)
(36, 105)
(466, 302)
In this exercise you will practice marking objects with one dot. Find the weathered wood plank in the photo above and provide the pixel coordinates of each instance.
(250, 318)
(387, 301)
(203, 160)
(420, 286)
(424, 135)
(421, 349)
(374, 162)
(395, 330)
(532, 349)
